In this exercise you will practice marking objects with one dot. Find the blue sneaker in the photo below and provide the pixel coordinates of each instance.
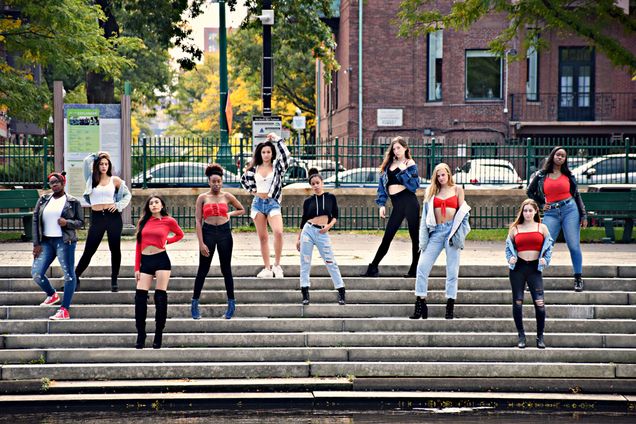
(194, 308)
(231, 306)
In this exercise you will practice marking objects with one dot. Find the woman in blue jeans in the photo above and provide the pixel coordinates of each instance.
(56, 218)
(555, 190)
(320, 214)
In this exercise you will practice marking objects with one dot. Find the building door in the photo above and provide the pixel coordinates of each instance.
(576, 84)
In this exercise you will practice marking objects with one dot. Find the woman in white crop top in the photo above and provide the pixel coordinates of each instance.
(108, 196)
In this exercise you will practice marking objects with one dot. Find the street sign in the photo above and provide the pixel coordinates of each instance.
(298, 123)
(263, 125)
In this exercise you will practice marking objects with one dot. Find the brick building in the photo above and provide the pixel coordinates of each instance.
(449, 85)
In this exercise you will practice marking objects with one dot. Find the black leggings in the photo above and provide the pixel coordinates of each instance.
(221, 236)
(526, 271)
(405, 205)
(103, 222)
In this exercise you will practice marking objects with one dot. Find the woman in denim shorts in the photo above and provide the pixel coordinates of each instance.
(264, 179)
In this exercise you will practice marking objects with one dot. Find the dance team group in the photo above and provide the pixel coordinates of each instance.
(443, 226)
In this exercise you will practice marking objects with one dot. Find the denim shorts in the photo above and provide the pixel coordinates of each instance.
(268, 207)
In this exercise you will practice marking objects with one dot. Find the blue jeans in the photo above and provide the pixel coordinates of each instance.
(567, 218)
(438, 241)
(65, 252)
(309, 238)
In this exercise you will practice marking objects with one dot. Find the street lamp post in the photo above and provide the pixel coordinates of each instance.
(224, 154)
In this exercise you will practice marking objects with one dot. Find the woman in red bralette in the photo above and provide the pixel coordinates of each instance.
(528, 252)
(213, 229)
(152, 261)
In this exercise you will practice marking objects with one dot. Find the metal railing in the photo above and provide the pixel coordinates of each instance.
(26, 162)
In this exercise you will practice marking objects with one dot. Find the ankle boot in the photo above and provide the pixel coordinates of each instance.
(578, 283)
(450, 306)
(231, 307)
(372, 271)
(522, 341)
(161, 313)
(540, 342)
(305, 292)
(194, 309)
(141, 310)
(113, 284)
(341, 296)
(77, 283)
(412, 272)
(421, 309)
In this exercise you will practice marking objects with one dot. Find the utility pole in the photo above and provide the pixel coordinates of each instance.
(267, 18)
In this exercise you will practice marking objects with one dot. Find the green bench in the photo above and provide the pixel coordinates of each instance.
(610, 206)
(20, 204)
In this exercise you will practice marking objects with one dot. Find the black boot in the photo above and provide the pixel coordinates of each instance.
(161, 313)
(540, 342)
(305, 292)
(77, 283)
(578, 283)
(450, 306)
(372, 271)
(521, 344)
(113, 284)
(141, 310)
(421, 309)
(341, 296)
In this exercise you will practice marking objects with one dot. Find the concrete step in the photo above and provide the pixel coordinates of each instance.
(278, 325)
(299, 354)
(135, 370)
(330, 296)
(322, 283)
(371, 339)
(325, 311)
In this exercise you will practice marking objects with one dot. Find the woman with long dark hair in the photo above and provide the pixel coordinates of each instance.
(555, 190)
(320, 214)
(264, 179)
(399, 181)
(108, 196)
(528, 252)
(213, 229)
(152, 261)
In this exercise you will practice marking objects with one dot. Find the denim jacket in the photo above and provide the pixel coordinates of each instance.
(535, 192)
(72, 212)
(407, 177)
(122, 194)
(546, 252)
(459, 230)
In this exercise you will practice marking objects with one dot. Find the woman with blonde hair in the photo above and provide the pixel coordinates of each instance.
(528, 252)
(444, 226)
(399, 181)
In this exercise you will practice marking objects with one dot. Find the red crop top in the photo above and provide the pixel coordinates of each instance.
(451, 202)
(155, 233)
(529, 241)
(215, 209)
(556, 190)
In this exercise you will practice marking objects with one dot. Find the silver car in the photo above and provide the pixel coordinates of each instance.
(181, 174)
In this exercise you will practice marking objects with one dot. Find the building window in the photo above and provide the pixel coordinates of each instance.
(532, 75)
(435, 55)
(483, 75)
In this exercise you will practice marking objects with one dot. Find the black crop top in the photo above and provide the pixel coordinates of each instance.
(314, 206)
(392, 177)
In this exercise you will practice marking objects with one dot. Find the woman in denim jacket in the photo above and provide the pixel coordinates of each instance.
(108, 196)
(399, 181)
(528, 253)
(555, 190)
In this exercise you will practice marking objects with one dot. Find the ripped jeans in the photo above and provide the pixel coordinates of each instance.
(309, 238)
(65, 252)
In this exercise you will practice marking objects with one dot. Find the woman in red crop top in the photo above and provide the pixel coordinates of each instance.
(213, 230)
(527, 258)
(151, 260)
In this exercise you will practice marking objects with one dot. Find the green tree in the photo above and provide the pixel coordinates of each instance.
(63, 33)
(596, 21)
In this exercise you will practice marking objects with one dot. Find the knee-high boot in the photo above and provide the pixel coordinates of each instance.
(161, 313)
(141, 310)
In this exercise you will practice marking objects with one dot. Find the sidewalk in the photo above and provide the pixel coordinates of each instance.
(350, 249)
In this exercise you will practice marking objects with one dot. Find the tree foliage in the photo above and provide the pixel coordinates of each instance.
(596, 21)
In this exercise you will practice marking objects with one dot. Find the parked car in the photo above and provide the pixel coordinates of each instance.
(356, 177)
(608, 169)
(488, 173)
(298, 170)
(181, 174)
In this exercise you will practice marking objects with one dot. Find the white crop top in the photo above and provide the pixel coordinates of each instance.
(51, 213)
(103, 195)
(263, 184)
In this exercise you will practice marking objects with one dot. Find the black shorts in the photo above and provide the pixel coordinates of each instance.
(150, 264)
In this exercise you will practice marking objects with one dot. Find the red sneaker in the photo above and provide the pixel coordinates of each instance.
(51, 300)
(61, 313)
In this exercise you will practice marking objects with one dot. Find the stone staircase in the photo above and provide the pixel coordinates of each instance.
(368, 344)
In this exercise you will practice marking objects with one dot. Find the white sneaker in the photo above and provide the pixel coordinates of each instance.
(278, 271)
(265, 273)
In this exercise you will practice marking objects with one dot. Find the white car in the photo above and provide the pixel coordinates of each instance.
(181, 174)
(487, 173)
(357, 177)
(608, 169)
